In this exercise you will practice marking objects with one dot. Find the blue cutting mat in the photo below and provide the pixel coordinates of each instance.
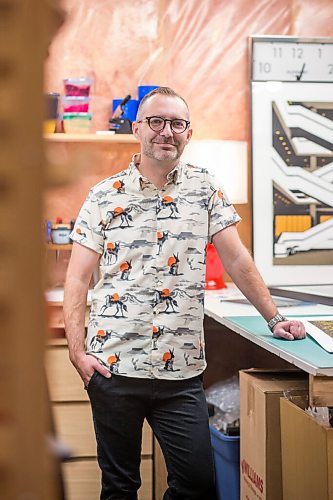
(307, 349)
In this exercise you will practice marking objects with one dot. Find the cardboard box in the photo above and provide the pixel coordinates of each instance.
(260, 441)
(307, 455)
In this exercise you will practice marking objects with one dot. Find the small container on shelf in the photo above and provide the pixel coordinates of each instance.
(77, 123)
(75, 104)
(50, 112)
(60, 234)
(77, 86)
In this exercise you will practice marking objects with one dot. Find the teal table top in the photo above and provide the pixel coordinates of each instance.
(305, 353)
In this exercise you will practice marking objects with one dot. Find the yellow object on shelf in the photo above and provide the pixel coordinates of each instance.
(49, 126)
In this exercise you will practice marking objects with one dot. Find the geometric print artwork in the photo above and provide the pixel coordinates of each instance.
(292, 179)
(302, 174)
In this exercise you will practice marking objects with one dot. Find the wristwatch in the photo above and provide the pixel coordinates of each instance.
(276, 319)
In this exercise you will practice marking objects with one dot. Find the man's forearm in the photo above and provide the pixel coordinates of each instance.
(247, 278)
(75, 302)
(240, 266)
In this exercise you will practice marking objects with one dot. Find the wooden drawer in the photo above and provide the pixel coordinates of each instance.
(64, 382)
(74, 426)
(160, 471)
(147, 440)
(56, 316)
(146, 490)
(82, 480)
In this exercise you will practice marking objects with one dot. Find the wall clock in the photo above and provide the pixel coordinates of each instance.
(291, 59)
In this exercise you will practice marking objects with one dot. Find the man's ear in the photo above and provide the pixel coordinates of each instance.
(135, 130)
(189, 135)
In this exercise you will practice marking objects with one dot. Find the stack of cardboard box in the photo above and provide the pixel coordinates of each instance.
(260, 439)
(307, 455)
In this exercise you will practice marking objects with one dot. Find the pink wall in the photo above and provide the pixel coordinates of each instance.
(197, 47)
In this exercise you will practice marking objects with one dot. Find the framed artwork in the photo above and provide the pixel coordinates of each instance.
(292, 160)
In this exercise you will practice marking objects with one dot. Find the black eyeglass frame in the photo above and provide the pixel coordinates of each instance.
(165, 120)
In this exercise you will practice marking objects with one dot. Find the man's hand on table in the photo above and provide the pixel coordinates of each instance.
(289, 330)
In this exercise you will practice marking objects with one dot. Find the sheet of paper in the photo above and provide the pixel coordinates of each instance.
(320, 328)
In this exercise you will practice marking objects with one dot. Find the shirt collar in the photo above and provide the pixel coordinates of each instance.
(142, 182)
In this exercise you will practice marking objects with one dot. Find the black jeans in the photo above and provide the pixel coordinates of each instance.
(177, 413)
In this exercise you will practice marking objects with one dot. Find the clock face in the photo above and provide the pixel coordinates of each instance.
(292, 61)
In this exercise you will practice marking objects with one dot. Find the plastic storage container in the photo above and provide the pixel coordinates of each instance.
(60, 234)
(77, 123)
(77, 86)
(226, 459)
(75, 103)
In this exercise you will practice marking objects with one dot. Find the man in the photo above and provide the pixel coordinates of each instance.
(144, 352)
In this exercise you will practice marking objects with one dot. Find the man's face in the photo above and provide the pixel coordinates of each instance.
(165, 145)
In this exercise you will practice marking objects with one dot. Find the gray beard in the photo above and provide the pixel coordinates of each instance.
(149, 151)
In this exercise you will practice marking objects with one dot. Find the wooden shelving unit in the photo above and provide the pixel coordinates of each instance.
(70, 404)
(53, 246)
(111, 138)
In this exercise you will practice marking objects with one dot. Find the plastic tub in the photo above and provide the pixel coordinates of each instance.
(77, 86)
(145, 89)
(75, 104)
(77, 123)
(226, 460)
(60, 234)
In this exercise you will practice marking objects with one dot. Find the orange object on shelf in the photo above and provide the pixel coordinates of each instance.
(214, 269)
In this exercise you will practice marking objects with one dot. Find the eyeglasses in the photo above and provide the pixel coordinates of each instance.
(157, 124)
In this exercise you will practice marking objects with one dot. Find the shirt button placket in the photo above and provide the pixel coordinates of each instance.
(159, 263)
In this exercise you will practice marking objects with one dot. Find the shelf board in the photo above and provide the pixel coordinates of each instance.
(116, 138)
(55, 341)
(53, 246)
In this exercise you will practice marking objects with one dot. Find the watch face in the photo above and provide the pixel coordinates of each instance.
(288, 60)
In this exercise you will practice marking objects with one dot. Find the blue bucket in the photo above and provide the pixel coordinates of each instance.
(226, 460)
(145, 89)
(130, 108)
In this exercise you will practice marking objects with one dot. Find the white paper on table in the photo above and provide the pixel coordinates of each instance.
(320, 328)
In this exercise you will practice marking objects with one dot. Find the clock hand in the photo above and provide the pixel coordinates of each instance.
(298, 77)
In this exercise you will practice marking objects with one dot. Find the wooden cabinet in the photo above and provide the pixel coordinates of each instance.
(74, 427)
(83, 479)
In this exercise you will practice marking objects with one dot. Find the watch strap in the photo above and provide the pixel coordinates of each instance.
(275, 320)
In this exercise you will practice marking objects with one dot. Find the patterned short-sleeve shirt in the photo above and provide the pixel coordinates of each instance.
(146, 316)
